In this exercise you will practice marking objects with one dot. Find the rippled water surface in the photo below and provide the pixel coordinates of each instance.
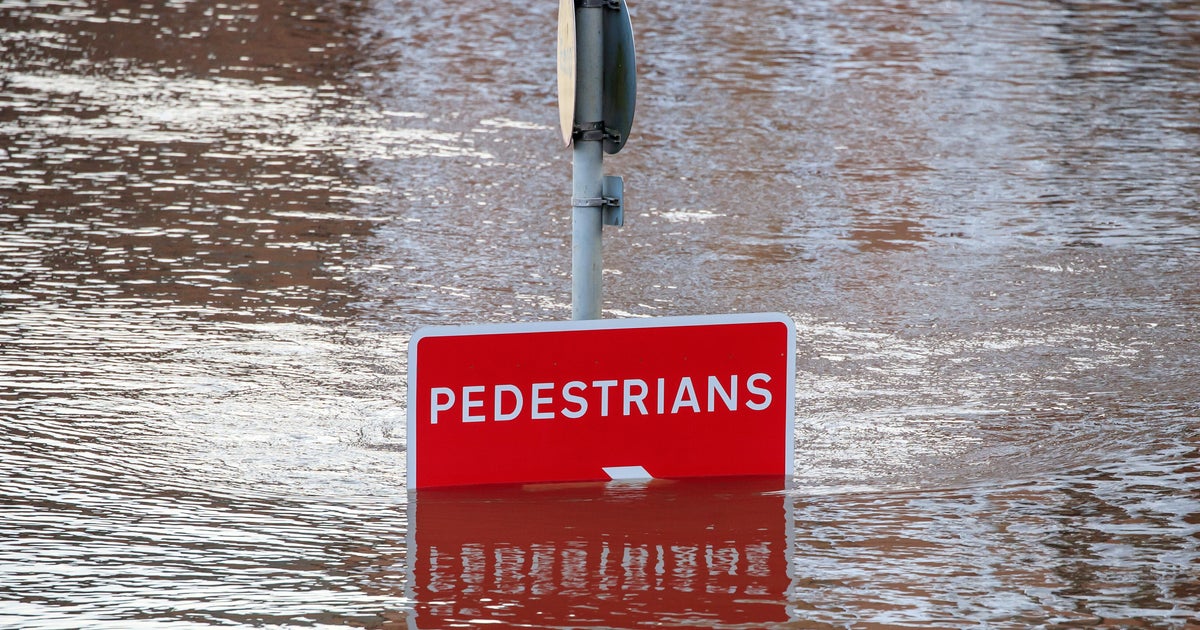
(221, 222)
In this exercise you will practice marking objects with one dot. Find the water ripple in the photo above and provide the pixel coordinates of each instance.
(221, 222)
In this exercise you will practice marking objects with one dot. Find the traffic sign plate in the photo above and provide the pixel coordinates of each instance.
(675, 397)
(620, 76)
(566, 68)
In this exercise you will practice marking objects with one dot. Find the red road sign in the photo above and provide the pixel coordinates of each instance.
(671, 397)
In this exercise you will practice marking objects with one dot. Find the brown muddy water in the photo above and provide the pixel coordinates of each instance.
(221, 222)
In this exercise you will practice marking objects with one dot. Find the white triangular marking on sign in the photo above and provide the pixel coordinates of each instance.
(627, 473)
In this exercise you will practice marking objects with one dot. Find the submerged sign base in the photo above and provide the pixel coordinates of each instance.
(596, 400)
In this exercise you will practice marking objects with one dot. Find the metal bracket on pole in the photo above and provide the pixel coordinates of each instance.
(598, 4)
(594, 131)
(614, 194)
(612, 204)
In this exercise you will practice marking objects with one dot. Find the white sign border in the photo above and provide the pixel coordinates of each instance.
(600, 324)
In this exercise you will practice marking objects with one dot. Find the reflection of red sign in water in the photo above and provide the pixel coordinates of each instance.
(709, 552)
(588, 400)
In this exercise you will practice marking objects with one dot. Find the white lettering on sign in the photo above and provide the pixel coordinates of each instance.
(548, 401)
(539, 400)
(685, 390)
(470, 403)
(766, 394)
(443, 399)
(635, 399)
(574, 399)
(715, 388)
(501, 415)
(603, 385)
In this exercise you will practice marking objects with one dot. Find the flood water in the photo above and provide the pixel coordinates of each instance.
(220, 223)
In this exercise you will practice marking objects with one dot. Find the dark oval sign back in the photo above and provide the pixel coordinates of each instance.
(620, 76)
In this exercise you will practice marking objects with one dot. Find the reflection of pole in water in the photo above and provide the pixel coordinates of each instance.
(601, 554)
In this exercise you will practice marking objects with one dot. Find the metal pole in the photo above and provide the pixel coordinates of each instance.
(587, 172)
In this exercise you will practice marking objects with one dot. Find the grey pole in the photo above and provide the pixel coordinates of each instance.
(587, 162)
